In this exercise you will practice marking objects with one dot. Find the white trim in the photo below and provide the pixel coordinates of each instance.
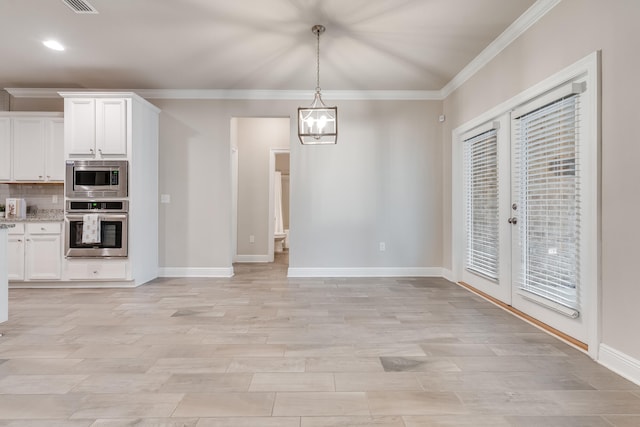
(31, 114)
(240, 94)
(588, 64)
(367, 272)
(620, 363)
(294, 95)
(448, 274)
(234, 158)
(252, 258)
(195, 272)
(82, 284)
(515, 30)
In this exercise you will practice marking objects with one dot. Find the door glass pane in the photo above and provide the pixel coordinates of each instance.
(547, 192)
(481, 182)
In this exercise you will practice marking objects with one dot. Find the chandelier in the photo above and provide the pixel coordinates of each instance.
(318, 124)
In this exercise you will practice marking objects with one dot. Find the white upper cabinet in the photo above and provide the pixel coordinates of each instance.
(111, 126)
(28, 149)
(31, 147)
(5, 149)
(54, 150)
(96, 128)
(80, 126)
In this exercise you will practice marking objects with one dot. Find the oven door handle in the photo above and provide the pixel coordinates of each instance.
(101, 217)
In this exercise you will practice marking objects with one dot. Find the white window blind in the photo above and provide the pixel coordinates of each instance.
(547, 190)
(481, 182)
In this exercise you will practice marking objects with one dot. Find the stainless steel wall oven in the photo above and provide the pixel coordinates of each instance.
(110, 238)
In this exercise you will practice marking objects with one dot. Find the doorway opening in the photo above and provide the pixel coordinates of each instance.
(279, 210)
(260, 189)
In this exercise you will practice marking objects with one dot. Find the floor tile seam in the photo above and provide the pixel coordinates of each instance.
(608, 421)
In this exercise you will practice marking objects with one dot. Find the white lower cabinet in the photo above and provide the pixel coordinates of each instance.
(35, 251)
(43, 252)
(99, 269)
(15, 249)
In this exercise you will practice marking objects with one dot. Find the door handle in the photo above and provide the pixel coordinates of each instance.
(513, 220)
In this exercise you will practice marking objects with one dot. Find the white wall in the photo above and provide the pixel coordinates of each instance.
(381, 182)
(569, 32)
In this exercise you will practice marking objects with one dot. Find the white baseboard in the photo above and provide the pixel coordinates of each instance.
(366, 272)
(195, 272)
(63, 284)
(620, 363)
(252, 258)
(448, 274)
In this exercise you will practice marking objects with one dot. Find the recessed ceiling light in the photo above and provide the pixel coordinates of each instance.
(52, 44)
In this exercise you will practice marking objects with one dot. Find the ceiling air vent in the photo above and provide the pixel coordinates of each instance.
(80, 6)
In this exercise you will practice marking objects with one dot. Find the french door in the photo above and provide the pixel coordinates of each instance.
(527, 210)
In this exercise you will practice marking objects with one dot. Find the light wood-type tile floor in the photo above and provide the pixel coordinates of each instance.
(263, 350)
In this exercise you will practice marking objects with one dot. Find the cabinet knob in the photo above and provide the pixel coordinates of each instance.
(91, 150)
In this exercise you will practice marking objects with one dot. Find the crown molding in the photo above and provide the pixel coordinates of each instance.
(271, 95)
(517, 28)
(28, 92)
(287, 95)
(508, 36)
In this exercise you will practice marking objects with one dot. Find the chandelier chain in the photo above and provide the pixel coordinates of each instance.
(318, 61)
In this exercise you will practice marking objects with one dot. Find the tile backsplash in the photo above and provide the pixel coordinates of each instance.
(39, 195)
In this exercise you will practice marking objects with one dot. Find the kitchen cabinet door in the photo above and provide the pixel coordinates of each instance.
(5, 149)
(28, 149)
(15, 247)
(111, 127)
(54, 156)
(43, 252)
(80, 126)
(43, 257)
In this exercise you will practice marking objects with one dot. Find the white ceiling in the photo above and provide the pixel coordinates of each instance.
(248, 44)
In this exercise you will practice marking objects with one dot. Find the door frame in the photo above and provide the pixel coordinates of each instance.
(272, 216)
(589, 67)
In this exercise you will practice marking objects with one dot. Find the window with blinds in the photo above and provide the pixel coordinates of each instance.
(547, 190)
(481, 182)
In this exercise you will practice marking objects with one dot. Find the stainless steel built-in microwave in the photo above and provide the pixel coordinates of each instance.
(96, 179)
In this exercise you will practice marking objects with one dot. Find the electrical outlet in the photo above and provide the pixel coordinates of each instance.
(54, 198)
(165, 198)
(383, 247)
(252, 239)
